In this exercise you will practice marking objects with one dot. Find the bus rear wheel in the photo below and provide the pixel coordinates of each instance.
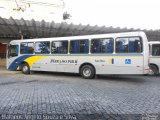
(87, 72)
(154, 70)
(25, 68)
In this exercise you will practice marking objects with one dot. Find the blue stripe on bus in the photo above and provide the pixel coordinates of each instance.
(18, 61)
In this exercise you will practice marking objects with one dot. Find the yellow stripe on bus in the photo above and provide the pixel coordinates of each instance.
(34, 59)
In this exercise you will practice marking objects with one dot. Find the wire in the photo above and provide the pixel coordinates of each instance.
(43, 3)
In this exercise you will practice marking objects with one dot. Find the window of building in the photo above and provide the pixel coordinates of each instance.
(129, 45)
(156, 50)
(102, 45)
(79, 46)
(59, 47)
(27, 48)
(42, 47)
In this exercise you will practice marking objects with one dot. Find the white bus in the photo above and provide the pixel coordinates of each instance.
(154, 57)
(89, 55)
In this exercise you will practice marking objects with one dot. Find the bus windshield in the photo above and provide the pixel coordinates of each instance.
(13, 51)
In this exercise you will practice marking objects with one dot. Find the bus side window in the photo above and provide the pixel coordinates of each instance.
(84, 46)
(129, 45)
(102, 45)
(79, 46)
(30, 48)
(110, 46)
(135, 44)
(122, 45)
(27, 48)
(60, 47)
(74, 46)
(42, 47)
(23, 49)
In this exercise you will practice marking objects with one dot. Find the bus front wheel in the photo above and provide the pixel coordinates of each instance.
(25, 68)
(154, 70)
(87, 72)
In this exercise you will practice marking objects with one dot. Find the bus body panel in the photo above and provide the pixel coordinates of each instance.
(115, 63)
(102, 64)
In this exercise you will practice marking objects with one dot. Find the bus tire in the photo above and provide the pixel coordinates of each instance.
(87, 71)
(25, 68)
(154, 70)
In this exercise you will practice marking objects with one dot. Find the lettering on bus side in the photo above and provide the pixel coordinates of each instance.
(63, 61)
(100, 60)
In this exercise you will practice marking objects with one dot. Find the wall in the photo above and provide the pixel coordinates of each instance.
(3, 50)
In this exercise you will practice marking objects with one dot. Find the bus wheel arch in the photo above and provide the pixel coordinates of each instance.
(154, 68)
(87, 70)
(25, 68)
(21, 64)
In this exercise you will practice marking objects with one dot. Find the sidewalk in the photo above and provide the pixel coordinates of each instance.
(3, 71)
(2, 62)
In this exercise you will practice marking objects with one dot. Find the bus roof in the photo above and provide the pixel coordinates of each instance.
(138, 33)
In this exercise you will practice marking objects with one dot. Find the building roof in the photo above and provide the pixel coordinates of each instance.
(13, 28)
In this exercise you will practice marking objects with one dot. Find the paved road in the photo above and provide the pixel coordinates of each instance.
(58, 93)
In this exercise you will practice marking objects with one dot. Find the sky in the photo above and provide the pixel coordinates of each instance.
(143, 14)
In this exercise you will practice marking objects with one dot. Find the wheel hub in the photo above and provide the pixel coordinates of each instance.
(87, 72)
(25, 68)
